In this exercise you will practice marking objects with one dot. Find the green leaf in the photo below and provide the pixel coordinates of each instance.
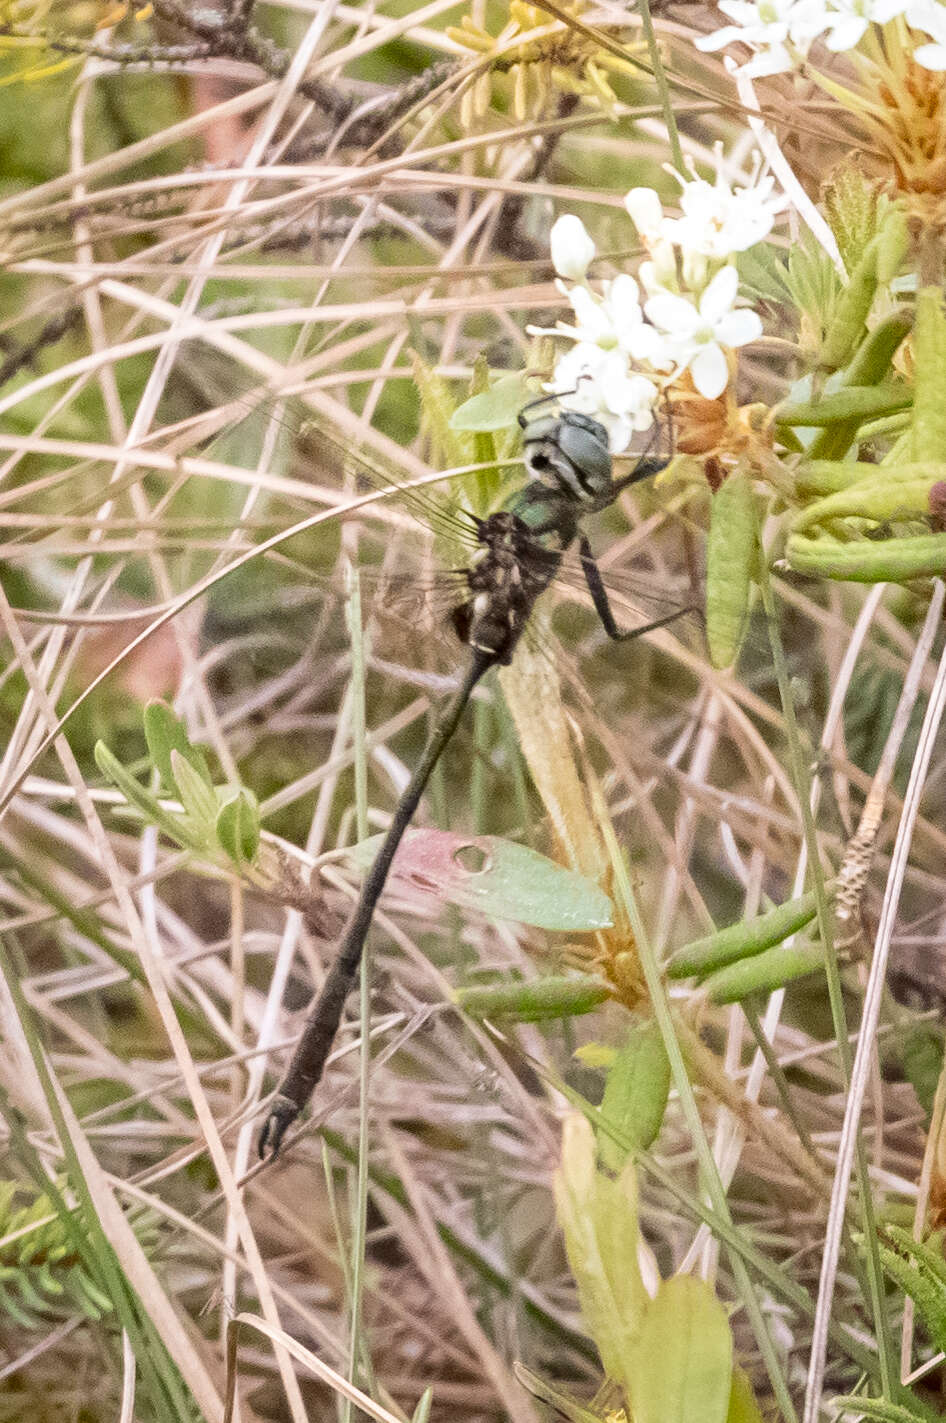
(869, 560)
(238, 824)
(494, 876)
(197, 797)
(136, 795)
(742, 940)
(635, 1093)
(852, 402)
(494, 409)
(854, 211)
(730, 563)
(921, 1054)
(164, 733)
(535, 1001)
(679, 1368)
(598, 1217)
(921, 1273)
(763, 973)
(743, 1407)
(421, 1413)
(869, 365)
(568, 1407)
(450, 446)
(929, 352)
(880, 1409)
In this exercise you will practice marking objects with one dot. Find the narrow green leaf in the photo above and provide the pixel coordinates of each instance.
(197, 797)
(421, 1413)
(545, 1393)
(870, 365)
(142, 800)
(494, 409)
(878, 499)
(164, 733)
(535, 1001)
(742, 940)
(730, 563)
(869, 560)
(635, 1093)
(679, 1369)
(817, 478)
(496, 877)
(763, 973)
(851, 402)
(848, 323)
(880, 1409)
(929, 359)
(9, 1305)
(237, 825)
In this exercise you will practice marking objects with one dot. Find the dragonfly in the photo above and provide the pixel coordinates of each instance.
(519, 550)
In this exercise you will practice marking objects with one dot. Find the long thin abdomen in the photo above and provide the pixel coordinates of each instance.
(318, 1035)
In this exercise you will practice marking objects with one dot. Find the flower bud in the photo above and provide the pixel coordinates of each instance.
(572, 248)
(646, 212)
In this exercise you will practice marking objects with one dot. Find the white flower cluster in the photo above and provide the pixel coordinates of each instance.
(780, 32)
(628, 345)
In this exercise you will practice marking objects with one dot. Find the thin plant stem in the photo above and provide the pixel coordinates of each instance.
(850, 1148)
(802, 781)
(359, 737)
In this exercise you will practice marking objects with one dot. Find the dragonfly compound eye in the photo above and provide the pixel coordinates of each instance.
(584, 442)
(569, 450)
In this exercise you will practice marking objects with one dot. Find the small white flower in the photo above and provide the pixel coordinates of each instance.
(599, 383)
(929, 17)
(848, 20)
(778, 31)
(573, 250)
(697, 337)
(719, 220)
(606, 321)
(593, 318)
(622, 301)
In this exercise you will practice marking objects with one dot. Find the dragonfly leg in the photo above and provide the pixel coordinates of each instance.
(599, 597)
(646, 466)
(318, 1035)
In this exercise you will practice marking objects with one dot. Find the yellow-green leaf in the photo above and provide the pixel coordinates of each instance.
(679, 1368)
(635, 1093)
(730, 563)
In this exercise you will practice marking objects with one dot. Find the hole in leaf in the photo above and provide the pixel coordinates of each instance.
(471, 858)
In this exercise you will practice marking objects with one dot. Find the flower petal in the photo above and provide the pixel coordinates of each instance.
(738, 328)
(623, 301)
(719, 296)
(673, 313)
(710, 371)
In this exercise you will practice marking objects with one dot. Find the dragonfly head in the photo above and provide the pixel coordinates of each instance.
(570, 452)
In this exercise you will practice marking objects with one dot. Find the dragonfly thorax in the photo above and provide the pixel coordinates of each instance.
(569, 451)
(505, 577)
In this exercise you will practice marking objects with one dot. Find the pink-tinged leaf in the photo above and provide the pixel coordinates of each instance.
(494, 876)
